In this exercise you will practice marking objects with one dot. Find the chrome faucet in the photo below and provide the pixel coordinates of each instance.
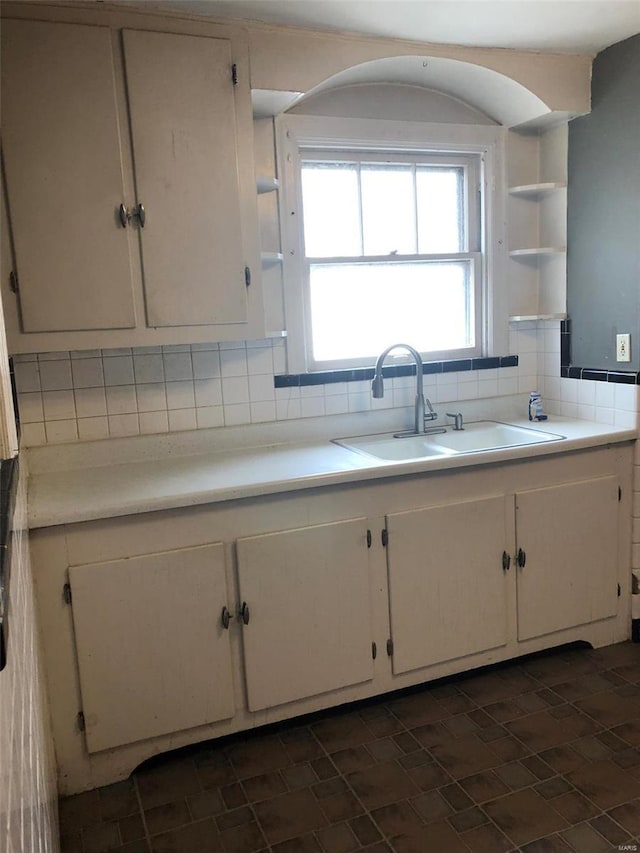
(423, 409)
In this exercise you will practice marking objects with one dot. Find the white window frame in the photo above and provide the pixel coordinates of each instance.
(299, 136)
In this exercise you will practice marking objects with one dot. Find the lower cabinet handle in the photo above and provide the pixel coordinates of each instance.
(124, 215)
(244, 613)
(506, 561)
(225, 618)
(522, 558)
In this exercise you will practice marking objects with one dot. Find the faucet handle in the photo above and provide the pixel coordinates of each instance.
(430, 414)
(457, 417)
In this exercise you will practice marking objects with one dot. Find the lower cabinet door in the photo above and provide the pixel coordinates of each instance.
(568, 536)
(152, 652)
(307, 611)
(448, 588)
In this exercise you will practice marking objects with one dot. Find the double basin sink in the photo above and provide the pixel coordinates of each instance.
(474, 438)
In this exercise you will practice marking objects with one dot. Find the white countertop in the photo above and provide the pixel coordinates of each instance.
(95, 480)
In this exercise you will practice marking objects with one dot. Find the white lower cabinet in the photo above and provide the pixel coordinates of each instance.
(448, 585)
(137, 624)
(305, 597)
(170, 639)
(567, 555)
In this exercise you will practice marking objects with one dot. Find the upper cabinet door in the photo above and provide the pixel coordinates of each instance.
(183, 121)
(61, 144)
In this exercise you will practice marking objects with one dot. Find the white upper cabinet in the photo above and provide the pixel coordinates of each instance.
(131, 185)
(61, 144)
(184, 144)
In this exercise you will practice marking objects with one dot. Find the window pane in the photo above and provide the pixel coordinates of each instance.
(388, 210)
(359, 309)
(331, 209)
(440, 210)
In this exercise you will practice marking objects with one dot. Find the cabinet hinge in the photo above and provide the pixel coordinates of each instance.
(13, 281)
(619, 493)
(374, 651)
(81, 724)
(385, 536)
(234, 74)
(369, 539)
(389, 646)
(619, 591)
(247, 276)
(66, 593)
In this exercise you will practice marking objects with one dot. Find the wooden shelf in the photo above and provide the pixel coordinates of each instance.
(266, 184)
(537, 190)
(270, 259)
(537, 252)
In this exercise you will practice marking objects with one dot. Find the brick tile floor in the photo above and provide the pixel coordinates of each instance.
(533, 756)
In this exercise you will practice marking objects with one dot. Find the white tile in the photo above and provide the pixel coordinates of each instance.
(58, 405)
(228, 345)
(312, 407)
(403, 397)
(357, 402)
(180, 395)
(333, 388)
(316, 390)
(27, 375)
(375, 403)
(25, 356)
(467, 376)
(288, 409)
(87, 373)
(468, 390)
(85, 353)
(263, 411)
(153, 422)
(528, 363)
(147, 350)
(235, 414)
(625, 397)
(53, 356)
(569, 390)
(260, 360)
(182, 419)
(148, 368)
(258, 344)
(233, 362)
(177, 366)
(629, 420)
(203, 347)
(605, 415)
(206, 364)
(90, 429)
(551, 364)
(507, 386)
(118, 370)
(122, 425)
(121, 400)
(152, 397)
(261, 388)
(60, 431)
(569, 409)
(116, 351)
(279, 358)
(56, 375)
(208, 392)
(587, 392)
(605, 394)
(291, 393)
(90, 402)
(210, 416)
(527, 384)
(235, 389)
(487, 387)
(552, 387)
(32, 435)
(490, 373)
(552, 340)
(586, 412)
(337, 404)
(176, 348)
(446, 393)
(30, 407)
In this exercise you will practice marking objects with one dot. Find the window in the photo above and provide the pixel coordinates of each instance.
(386, 246)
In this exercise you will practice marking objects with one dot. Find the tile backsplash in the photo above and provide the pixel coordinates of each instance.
(94, 394)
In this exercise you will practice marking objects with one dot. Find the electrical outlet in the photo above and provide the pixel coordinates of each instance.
(623, 347)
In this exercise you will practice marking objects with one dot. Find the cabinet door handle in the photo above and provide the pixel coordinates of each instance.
(124, 215)
(225, 618)
(244, 613)
(522, 558)
(506, 561)
(141, 213)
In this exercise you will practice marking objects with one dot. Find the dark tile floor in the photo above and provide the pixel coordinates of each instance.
(539, 756)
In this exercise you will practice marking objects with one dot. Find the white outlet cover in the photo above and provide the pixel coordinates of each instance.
(623, 347)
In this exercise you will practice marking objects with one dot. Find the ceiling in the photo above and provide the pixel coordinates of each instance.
(574, 26)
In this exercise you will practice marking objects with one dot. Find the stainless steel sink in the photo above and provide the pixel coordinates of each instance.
(474, 438)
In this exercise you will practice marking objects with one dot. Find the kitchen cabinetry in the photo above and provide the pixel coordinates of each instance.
(448, 593)
(306, 598)
(334, 594)
(131, 189)
(137, 623)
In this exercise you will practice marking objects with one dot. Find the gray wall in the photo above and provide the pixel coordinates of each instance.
(603, 234)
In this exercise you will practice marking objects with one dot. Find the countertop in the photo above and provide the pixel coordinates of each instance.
(132, 476)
